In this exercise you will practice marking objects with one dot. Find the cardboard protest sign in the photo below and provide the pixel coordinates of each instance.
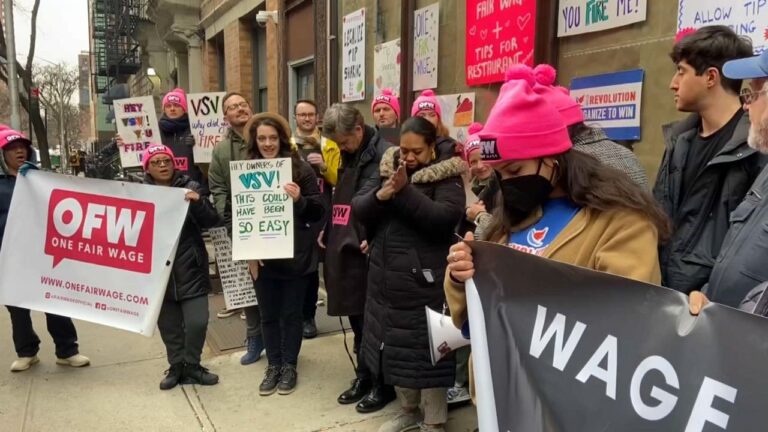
(561, 348)
(236, 281)
(99, 250)
(426, 32)
(458, 113)
(353, 56)
(580, 16)
(207, 122)
(386, 66)
(262, 213)
(137, 125)
(498, 35)
(747, 18)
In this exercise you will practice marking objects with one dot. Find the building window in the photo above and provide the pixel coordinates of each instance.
(220, 62)
(301, 83)
(259, 55)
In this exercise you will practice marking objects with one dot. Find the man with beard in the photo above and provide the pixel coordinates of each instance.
(237, 112)
(743, 260)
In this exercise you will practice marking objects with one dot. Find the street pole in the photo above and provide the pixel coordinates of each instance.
(64, 150)
(10, 55)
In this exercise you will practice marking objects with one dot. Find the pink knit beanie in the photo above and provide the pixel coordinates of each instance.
(152, 151)
(522, 124)
(426, 101)
(557, 96)
(387, 97)
(177, 96)
(473, 140)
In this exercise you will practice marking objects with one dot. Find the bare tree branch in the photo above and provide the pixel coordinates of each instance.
(32, 40)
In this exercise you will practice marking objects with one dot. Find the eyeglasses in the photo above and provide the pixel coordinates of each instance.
(748, 96)
(161, 162)
(306, 115)
(242, 105)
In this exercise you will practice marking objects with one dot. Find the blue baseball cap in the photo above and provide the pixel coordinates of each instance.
(747, 68)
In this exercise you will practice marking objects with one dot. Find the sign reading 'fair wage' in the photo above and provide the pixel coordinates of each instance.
(426, 28)
(137, 125)
(262, 213)
(500, 33)
(98, 253)
(586, 16)
(206, 119)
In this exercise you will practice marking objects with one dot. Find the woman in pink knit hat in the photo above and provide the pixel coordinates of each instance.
(176, 134)
(557, 203)
(428, 107)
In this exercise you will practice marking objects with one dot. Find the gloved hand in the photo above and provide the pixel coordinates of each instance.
(26, 167)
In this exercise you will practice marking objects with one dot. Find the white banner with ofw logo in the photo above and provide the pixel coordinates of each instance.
(95, 250)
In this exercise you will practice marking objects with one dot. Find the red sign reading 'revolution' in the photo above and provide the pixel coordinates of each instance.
(499, 33)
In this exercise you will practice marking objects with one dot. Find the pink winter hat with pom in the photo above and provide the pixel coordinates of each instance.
(473, 140)
(522, 124)
(152, 151)
(426, 101)
(559, 97)
(177, 96)
(387, 97)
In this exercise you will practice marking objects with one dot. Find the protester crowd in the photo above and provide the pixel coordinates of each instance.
(535, 177)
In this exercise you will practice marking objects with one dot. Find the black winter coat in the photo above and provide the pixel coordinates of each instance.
(189, 276)
(306, 211)
(700, 218)
(410, 236)
(345, 268)
(177, 135)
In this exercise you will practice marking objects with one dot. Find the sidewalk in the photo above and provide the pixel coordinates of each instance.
(119, 391)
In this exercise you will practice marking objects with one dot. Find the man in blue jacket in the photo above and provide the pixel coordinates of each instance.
(17, 150)
(743, 260)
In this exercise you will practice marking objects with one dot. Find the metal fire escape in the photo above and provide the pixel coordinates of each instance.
(117, 55)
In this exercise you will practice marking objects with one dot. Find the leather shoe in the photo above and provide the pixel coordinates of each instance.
(377, 399)
(360, 388)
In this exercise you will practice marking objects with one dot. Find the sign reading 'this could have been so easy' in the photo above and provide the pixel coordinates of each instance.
(262, 212)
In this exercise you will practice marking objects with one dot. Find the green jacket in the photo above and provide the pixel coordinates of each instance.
(232, 147)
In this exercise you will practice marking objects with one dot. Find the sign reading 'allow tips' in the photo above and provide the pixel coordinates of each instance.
(747, 18)
(262, 212)
(612, 102)
(578, 350)
(586, 16)
(95, 251)
(207, 122)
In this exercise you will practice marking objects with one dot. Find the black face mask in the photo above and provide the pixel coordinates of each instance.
(522, 195)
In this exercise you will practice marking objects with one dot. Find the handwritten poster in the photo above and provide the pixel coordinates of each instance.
(586, 16)
(612, 102)
(353, 57)
(426, 26)
(747, 18)
(236, 281)
(386, 66)
(500, 33)
(262, 213)
(137, 125)
(458, 113)
(206, 119)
